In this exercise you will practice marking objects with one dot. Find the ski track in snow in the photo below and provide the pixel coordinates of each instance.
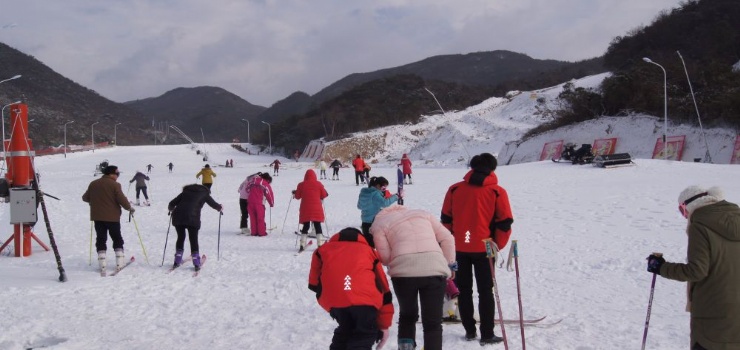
(583, 237)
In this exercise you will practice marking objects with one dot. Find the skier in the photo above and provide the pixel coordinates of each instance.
(170, 166)
(149, 168)
(711, 273)
(311, 193)
(106, 200)
(420, 255)
(335, 165)
(208, 176)
(474, 209)
(322, 169)
(141, 180)
(185, 210)
(371, 200)
(275, 167)
(258, 191)
(243, 202)
(406, 168)
(366, 171)
(351, 285)
(359, 165)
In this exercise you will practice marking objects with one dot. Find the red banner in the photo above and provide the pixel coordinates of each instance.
(674, 149)
(736, 151)
(552, 150)
(604, 147)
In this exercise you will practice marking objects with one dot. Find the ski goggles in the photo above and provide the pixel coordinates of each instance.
(682, 206)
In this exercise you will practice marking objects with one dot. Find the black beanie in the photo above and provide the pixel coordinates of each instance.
(111, 169)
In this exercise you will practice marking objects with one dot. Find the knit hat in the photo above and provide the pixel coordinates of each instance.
(696, 197)
(111, 169)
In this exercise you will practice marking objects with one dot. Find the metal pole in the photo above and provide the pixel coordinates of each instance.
(115, 133)
(269, 134)
(65, 137)
(93, 136)
(707, 156)
(665, 106)
(249, 140)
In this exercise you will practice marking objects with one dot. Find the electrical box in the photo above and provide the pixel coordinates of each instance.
(23, 206)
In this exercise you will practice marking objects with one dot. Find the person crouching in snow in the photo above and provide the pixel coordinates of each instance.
(311, 193)
(372, 199)
(185, 210)
(259, 190)
(350, 284)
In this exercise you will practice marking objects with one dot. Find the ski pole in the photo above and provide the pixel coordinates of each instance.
(166, 238)
(218, 246)
(131, 215)
(515, 248)
(286, 214)
(326, 222)
(650, 307)
(52, 241)
(90, 261)
(491, 251)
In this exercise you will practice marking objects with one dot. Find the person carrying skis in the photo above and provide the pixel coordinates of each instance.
(208, 176)
(243, 202)
(185, 210)
(711, 269)
(335, 165)
(311, 193)
(322, 169)
(351, 285)
(275, 167)
(359, 165)
(149, 168)
(475, 209)
(371, 200)
(406, 168)
(259, 190)
(141, 180)
(420, 255)
(170, 166)
(106, 200)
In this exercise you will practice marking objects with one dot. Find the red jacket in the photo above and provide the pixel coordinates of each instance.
(475, 209)
(311, 192)
(359, 164)
(346, 272)
(406, 164)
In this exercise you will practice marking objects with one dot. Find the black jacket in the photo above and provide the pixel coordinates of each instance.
(186, 206)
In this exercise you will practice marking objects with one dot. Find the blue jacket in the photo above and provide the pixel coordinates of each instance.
(371, 201)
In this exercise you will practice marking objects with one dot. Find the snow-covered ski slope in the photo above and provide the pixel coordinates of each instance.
(583, 235)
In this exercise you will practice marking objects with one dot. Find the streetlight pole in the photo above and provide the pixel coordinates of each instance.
(707, 156)
(665, 106)
(93, 136)
(65, 137)
(115, 134)
(249, 141)
(269, 134)
(2, 114)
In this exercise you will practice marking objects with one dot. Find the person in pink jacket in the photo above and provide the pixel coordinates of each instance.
(420, 255)
(258, 191)
(311, 193)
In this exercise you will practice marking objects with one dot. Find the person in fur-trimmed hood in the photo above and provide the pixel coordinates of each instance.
(712, 268)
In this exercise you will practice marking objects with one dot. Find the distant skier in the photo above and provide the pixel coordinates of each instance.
(359, 164)
(259, 190)
(335, 165)
(208, 176)
(406, 168)
(149, 168)
(170, 166)
(322, 169)
(275, 167)
(185, 210)
(141, 180)
(311, 193)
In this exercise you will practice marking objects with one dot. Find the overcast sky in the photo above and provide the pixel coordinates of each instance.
(264, 50)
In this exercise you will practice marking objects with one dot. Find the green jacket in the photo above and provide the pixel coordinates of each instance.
(713, 273)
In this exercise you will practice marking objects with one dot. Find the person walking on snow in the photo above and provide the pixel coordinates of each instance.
(185, 210)
(350, 284)
(420, 255)
(311, 193)
(149, 168)
(208, 176)
(243, 202)
(275, 167)
(475, 209)
(259, 190)
(170, 166)
(335, 165)
(371, 200)
(322, 169)
(141, 180)
(359, 165)
(106, 199)
(711, 269)
(406, 168)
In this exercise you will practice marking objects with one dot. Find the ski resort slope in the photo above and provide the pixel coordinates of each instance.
(583, 234)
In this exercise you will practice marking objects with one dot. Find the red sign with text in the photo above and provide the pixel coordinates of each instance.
(673, 150)
(604, 147)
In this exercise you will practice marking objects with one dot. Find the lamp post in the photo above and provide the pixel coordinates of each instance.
(92, 138)
(65, 137)
(665, 106)
(115, 134)
(707, 156)
(269, 134)
(2, 114)
(249, 141)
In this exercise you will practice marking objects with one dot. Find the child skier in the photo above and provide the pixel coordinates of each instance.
(259, 190)
(275, 167)
(185, 210)
(311, 193)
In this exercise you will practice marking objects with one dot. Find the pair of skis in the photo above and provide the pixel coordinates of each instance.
(188, 259)
(534, 322)
(104, 273)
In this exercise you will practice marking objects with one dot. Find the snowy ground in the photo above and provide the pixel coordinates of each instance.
(583, 234)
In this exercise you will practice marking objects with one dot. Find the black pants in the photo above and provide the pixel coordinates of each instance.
(359, 175)
(471, 264)
(141, 190)
(335, 172)
(366, 233)
(102, 229)
(322, 173)
(208, 185)
(407, 176)
(429, 292)
(192, 236)
(245, 215)
(316, 227)
(358, 328)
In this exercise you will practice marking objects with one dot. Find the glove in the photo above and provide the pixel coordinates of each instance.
(293, 192)
(383, 335)
(132, 210)
(453, 266)
(654, 263)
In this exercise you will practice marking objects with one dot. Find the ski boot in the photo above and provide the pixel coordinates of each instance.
(304, 238)
(406, 344)
(196, 261)
(120, 259)
(101, 261)
(178, 259)
(246, 231)
(319, 239)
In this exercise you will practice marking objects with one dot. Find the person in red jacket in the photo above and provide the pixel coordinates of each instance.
(475, 209)
(311, 193)
(359, 165)
(350, 284)
(406, 168)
